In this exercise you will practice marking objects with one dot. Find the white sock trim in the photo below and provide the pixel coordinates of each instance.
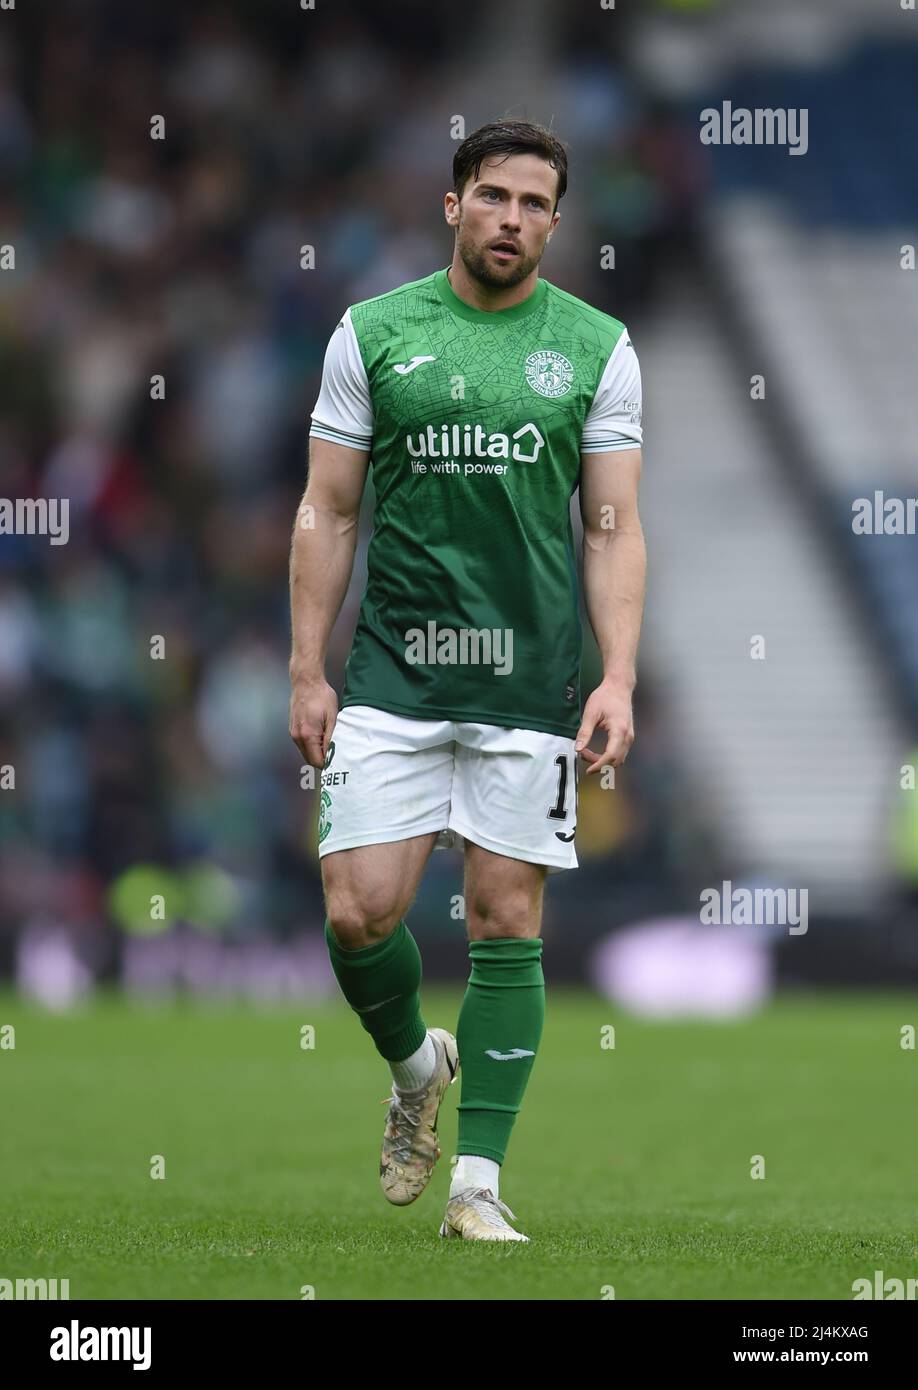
(472, 1170)
(417, 1069)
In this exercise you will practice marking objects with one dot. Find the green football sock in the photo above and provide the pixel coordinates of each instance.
(500, 1024)
(381, 984)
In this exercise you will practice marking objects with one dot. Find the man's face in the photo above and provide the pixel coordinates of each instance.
(509, 204)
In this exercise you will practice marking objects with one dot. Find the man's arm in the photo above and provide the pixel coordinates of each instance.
(614, 565)
(321, 562)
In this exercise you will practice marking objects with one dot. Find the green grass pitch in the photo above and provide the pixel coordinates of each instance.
(628, 1167)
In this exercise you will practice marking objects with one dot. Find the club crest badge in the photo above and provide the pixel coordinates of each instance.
(549, 373)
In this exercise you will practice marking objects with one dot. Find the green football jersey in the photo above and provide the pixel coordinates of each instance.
(476, 422)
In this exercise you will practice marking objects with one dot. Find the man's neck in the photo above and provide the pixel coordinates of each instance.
(488, 297)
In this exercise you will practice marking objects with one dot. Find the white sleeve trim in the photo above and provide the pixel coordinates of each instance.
(344, 411)
(614, 419)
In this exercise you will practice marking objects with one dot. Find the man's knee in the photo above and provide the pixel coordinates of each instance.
(361, 917)
(511, 912)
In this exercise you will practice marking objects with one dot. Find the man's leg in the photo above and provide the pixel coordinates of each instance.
(385, 792)
(514, 800)
(500, 1022)
(378, 966)
(368, 891)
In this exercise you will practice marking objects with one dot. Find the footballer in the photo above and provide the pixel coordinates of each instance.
(485, 397)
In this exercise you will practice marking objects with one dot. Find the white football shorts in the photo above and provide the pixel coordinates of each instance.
(387, 777)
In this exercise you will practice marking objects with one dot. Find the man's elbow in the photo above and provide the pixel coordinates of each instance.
(600, 536)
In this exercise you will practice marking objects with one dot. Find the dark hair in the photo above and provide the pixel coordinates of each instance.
(508, 137)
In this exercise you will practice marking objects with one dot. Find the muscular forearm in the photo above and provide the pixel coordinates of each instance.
(321, 562)
(614, 567)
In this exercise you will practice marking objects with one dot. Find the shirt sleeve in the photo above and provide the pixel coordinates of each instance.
(614, 419)
(344, 411)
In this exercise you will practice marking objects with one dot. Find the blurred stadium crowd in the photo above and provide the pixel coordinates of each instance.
(190, 195)
(161, 347)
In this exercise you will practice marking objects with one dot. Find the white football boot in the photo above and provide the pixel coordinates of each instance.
(476, 1214)
(409, 1148)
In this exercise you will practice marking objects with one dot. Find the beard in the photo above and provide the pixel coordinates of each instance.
(492, 274)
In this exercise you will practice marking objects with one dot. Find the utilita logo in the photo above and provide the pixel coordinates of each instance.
(447, 443)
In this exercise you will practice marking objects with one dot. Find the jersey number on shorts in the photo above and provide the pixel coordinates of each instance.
(559, 810)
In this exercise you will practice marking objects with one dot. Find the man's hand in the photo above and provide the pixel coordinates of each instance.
(608, 708)
(313, 711)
